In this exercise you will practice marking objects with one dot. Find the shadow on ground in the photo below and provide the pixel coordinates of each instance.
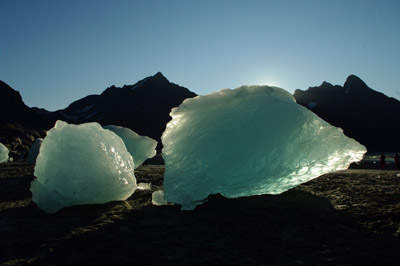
(294, 228)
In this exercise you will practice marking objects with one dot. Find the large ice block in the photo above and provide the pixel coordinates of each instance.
(248, 141)
(81, 164)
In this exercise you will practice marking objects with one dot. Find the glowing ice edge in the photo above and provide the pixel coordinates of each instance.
(140, 147)
(249, 141)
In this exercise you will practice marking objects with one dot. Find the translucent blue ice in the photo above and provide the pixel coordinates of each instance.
(140, 147)
(248, 141)
(3, 153)
(34, 151)
(81, 164)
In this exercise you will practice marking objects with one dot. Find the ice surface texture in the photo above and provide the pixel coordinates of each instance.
(248, 141)
(3, 153)
(81, 164)
(34, 151)
(140, 147)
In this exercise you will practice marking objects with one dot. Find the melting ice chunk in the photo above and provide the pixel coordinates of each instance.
(140, 147)
(248, 141)
(3, 153)
(144, 186)
(34, 151)
(157, 198)
(81, 164)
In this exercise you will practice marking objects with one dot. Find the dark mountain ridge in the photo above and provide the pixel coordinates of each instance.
(143, 107)
(364, 114)
(14, 110)
(19, 124)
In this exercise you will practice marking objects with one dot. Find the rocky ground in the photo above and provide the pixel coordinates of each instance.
(349, 217)
(18, 139)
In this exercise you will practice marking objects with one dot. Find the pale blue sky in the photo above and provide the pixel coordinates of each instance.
(56, 52)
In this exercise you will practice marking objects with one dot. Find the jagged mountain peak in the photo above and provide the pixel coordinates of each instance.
(325, 83)
(354, 83)
(143, 107)
(156, 80)
(152, 81)
(159, 75)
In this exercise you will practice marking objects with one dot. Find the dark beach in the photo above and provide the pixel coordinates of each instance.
(350, 217)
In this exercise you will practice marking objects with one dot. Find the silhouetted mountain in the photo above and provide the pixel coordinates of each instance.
(143, 107)
(366, 115)
(13, 109)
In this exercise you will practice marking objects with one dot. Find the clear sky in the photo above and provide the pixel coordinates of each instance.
(56, 52)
